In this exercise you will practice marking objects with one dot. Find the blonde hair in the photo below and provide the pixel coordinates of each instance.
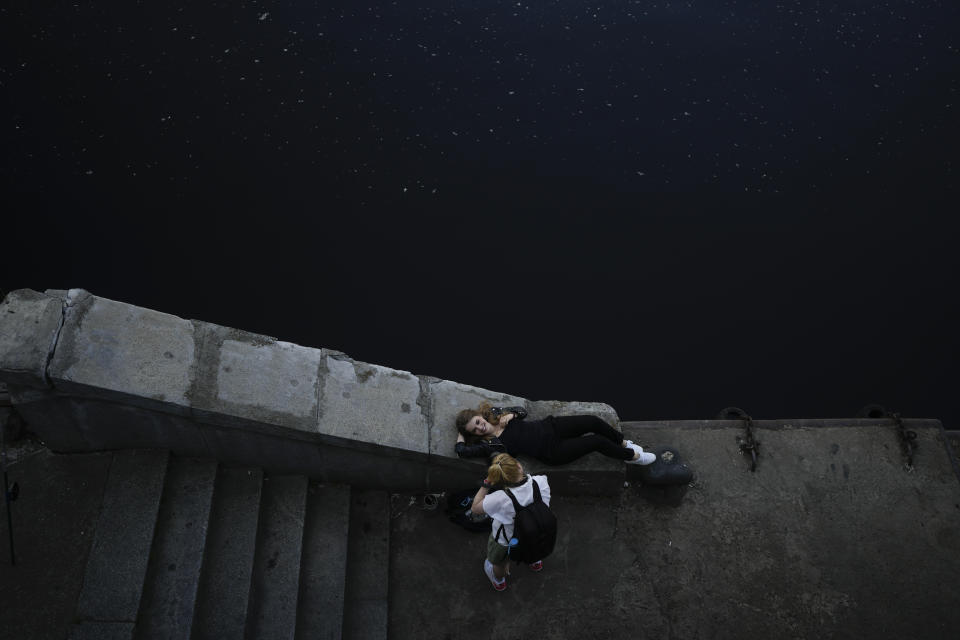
(505, 469)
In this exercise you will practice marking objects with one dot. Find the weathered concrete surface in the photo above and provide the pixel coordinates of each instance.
(124, 353)
(542, 408)
(29, 323)
(255, 379)
(831, 537)
(373, 404)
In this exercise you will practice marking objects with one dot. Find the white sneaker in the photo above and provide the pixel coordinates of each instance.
(635, 447)
(644, 458)
(499, 585)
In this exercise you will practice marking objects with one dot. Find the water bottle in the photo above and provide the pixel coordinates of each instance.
(512, 546)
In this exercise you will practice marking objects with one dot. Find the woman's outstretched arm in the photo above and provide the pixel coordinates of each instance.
(478, 450)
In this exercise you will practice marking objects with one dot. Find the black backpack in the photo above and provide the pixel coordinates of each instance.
(534, 529)
(458, 510)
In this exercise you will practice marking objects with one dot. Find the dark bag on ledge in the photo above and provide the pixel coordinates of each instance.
(458, 511)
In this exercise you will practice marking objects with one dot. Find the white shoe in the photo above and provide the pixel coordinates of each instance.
(499, 585)
(644, 458)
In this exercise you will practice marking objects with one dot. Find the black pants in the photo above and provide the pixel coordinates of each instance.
(571, 442)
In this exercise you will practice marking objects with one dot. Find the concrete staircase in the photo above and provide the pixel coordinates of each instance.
(186, 548)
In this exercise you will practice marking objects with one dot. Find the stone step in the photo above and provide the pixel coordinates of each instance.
(272, 612)
(170, 590)
(224, 589)
(368, 566)
(323, 566)
(114, 576)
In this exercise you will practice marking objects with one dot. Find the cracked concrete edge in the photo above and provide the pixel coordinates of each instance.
(27, 358)
(76, 303)
(55, 340)
(425, 402)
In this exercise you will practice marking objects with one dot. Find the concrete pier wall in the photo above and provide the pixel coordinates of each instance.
(89, 374)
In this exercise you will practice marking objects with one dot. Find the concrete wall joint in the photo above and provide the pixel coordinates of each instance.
(54, 341)
(425, 402)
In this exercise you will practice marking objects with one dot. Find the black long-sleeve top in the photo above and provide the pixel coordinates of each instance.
(534, 438)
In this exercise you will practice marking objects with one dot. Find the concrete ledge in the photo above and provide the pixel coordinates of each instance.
(638, 426)
(29, 323)
(120, 352)
(592, 475)
(711, 447)
(373, 404)
(88, 374)
(125, 377)
(252, 379)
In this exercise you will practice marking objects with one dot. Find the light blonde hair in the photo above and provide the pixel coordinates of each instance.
(505, 469)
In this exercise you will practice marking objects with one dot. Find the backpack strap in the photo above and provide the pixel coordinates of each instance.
(500, 533)
(516, 510)
(516, 505)
(536, 490)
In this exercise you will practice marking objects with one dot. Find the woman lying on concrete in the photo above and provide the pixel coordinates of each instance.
(486, 431)
(505, 471)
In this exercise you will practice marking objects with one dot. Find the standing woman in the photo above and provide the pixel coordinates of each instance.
(505, 471)
(554, 440)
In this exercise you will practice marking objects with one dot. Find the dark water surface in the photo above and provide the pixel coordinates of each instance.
(669, 207)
